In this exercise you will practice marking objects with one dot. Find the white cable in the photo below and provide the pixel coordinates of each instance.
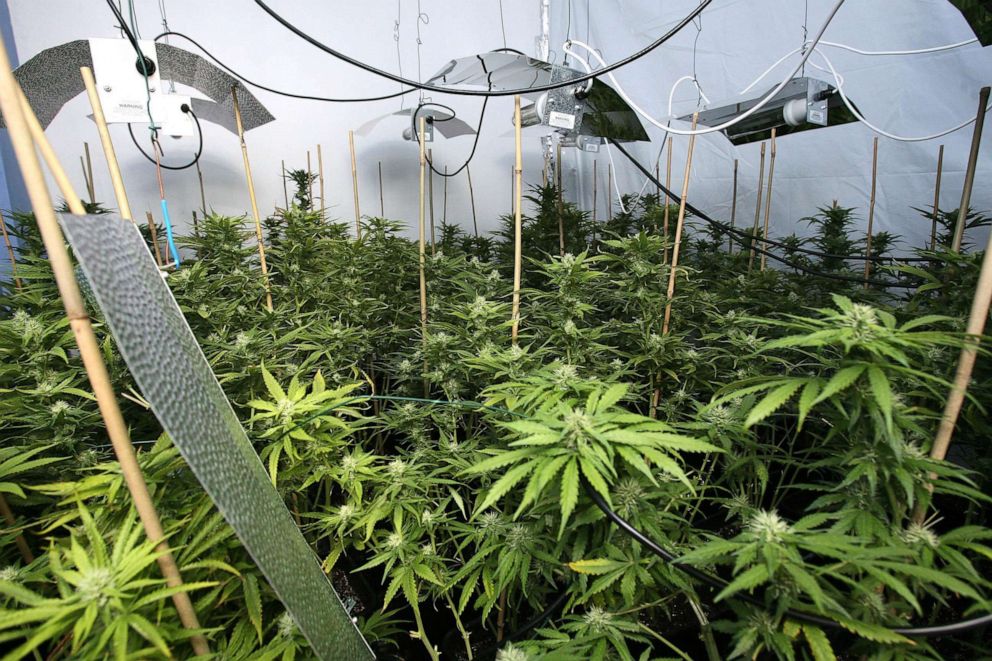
(915, 51)
(711, 129)
(892, 136)
(616, 176)
(671, 94)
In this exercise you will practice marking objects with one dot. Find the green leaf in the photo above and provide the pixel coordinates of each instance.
(253, 603)
(819, 644)
(772, 401)
(841, 380)
(272, 385)
(569, 492)
(595, 566)
(747, 580)
(882, 392)
(505, 483)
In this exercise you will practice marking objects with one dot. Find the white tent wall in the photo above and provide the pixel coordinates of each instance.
(248, 40)
(906, 95)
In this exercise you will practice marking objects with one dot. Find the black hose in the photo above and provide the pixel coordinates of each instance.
(511, 92)
(475, 143)
(720, 583)
(196, 157)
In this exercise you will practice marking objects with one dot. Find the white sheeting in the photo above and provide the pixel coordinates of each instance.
(907, 95)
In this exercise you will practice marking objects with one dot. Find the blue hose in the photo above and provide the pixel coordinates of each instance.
(168, 233)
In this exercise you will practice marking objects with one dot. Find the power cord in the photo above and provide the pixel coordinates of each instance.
(461, 92)
(199, 150)
(475, 143)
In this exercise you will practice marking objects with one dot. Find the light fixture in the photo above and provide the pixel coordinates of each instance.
(803, 104)
(584, 114)
(444, 122)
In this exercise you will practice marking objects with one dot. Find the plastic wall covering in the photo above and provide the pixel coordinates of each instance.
(739, 39)
(174, 376)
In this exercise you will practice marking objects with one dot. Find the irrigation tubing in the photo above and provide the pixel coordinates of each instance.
(749, 243)
(463, 92)
(720, 583)
(673, 560)
(733, 230)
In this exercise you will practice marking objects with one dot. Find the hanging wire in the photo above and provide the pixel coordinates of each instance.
(422, 19)
(502, 23)
(165, 29)
(805, 31)
(399, 55)
(152, 126)
(698, 22)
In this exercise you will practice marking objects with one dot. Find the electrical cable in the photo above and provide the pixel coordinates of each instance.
(199, 148)
(292, 95)
(721, 583)
(750, 241)
(462, 92)
(124, 28)
(475, 142)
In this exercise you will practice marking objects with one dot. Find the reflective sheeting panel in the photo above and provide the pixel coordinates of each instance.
(177, 381)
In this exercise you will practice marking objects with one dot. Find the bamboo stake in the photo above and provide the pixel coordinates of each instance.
(757, 207)
(517, 221)
(444, 195)
(595, 190)
(382, 199)
(285, 188)
(154, 236)
(90, 184)
(471, 197)
(309, 180)
(678, 230)
(430, 199)
(354, 184)
(871, 209)
(254, 201)
(422, 231)
(320, 174)
(19, 129)
(203, 193)
(196, 225)
(668, 199)
(657, 176)
(936, 198)
(733, 211)
(19, 541)
(116, 180)
(561, 207)
(609, 192)
(966, 365)
(969, 176)
(10, 253)
(768, 205)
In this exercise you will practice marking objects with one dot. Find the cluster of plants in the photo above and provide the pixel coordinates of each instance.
(777, 435)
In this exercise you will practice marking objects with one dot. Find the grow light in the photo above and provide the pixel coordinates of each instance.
(803, 104)
(445, 123)
(593, 110)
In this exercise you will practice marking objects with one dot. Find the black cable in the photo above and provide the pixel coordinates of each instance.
(124, 27)
(511, 92)
(806, 251)
(292, 95)
(475, 143)
(199, 149)
(749, 243)
(720, 583)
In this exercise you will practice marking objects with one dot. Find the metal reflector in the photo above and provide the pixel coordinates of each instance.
(174, 376)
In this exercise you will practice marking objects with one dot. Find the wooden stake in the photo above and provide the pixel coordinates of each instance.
(733, 211)
(561, 207)
(444, 196)
(254, 201)
(936, 198)
(196, 225)
(471, 197)
(657, 175)
(320, 175)
(21, 135)
(116, 180)
(19, 541)
(354, 184)
(966, 365)
(203, 193)
(768, 205)
(969, 175)
(154, 237)
(285, 187)
(10, 253)
(609, 191)
(422, 230)
(91, 187)
(595, 190)
(382, 199)
(517, 221)
(757, 207)
(430, 199)
(871, 209)
(668, 199)
(678, 230)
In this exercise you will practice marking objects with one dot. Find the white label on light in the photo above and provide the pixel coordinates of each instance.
(561, 120)
(120, 85)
